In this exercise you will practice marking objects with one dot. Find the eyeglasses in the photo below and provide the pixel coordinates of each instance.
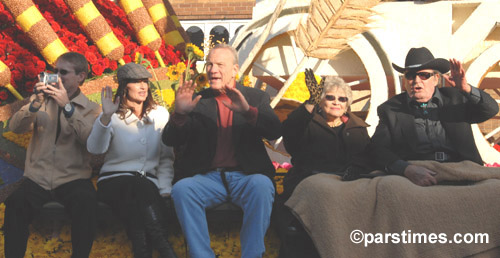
(62, 71)
(332, 98)
(422, 75)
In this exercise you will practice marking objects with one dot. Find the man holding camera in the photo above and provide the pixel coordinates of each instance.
(57, 165)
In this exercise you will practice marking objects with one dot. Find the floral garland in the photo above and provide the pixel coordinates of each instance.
(112, 241)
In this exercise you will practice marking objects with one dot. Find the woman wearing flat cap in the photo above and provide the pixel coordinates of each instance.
(427, 122)
(137, 169)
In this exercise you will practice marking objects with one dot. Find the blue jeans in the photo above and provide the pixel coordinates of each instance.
(253, 193)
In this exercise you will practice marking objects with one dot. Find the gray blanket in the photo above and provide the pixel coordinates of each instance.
(395, 212)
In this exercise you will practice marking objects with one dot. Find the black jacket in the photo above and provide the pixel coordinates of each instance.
(195, 142)
(314, 146)
(395, 136)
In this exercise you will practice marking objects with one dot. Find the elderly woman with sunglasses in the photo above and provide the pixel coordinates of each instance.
(322, 136)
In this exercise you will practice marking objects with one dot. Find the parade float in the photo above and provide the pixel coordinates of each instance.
(357, 40)
(274, 49)
(33, 34)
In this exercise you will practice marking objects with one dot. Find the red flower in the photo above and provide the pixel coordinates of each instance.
(16, 75)
(40, 65)
(113, 65)
(29, 85)
(127, 59)
(105, 62)
(3, 95)
(91, 57)
(97, 69)
(31, 71)
(129, 49)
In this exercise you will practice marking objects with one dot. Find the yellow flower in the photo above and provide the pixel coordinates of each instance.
(181, 67)
(201, 81)
(193, 52)
(52, 245)
(172, 73)
(22, 140)
(168, 96)
(136, 59)
(298, 89)
(246, 81)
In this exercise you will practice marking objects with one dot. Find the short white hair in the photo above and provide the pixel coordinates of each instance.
(335, 83)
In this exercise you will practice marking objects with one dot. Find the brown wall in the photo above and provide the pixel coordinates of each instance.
(213, 9)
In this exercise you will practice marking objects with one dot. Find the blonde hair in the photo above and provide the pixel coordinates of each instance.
(228, 47)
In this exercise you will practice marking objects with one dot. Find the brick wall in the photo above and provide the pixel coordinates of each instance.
(213, 9)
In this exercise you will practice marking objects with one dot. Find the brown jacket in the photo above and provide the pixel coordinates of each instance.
(55, 157)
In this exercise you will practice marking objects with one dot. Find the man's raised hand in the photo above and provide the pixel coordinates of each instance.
(184, 102)
(457, 77)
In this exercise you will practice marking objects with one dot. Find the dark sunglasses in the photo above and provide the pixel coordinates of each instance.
(332, 98)
(62, 71)
(422, 75)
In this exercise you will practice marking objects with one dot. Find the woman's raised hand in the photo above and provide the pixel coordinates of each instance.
(313, 87)
(109, 107)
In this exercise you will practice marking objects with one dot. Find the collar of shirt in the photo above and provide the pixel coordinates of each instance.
(132, 118)
(435, 101)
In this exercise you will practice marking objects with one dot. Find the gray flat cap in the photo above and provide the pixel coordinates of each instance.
(132, 71)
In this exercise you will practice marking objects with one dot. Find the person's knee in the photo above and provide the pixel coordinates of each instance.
(260, 183)
(16, 199)
(184, 189)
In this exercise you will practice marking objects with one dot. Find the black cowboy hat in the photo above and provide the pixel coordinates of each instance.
(422, 58)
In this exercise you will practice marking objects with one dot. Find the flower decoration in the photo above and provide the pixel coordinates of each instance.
(193, 54)
(24, 60)
(201, 81)
(298, 90)
(281, 170)
(22, 140)
(245, 80)
(172, 73)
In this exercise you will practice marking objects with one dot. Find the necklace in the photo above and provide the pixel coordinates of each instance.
(335, 123)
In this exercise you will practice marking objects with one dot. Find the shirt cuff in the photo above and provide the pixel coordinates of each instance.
(398, 167)
(474, 96)
(251, 115)
(33, 109)
(101, 124)
(179, 119)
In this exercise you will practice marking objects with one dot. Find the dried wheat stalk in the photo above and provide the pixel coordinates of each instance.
(330, 24)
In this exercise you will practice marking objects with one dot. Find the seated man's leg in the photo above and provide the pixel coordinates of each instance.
(255, 195)
(20, 207)
(80, 200)
(191, 196)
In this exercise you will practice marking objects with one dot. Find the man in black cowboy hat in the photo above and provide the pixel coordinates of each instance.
(427, 122)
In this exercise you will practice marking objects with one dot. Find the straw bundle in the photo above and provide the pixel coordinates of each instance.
(164, 23)
(143, 26)
(31, 21)
(175, 19)
(97, 28)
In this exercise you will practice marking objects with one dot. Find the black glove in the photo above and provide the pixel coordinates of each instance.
(315, 90)
(354, 172)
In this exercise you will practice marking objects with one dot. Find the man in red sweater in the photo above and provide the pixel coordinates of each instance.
(220, 156)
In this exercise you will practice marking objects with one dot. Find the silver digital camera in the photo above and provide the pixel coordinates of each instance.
(49, 78)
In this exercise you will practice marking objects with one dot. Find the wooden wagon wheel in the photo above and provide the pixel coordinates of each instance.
(488, 133)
